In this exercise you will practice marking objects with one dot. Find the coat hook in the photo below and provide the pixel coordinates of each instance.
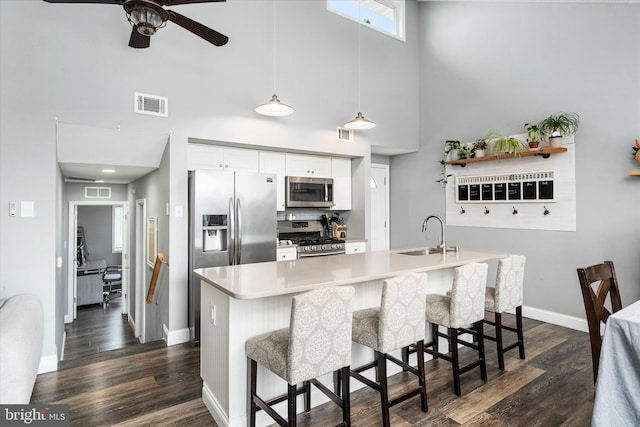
(462, 211)
(515, 211)
(486, 211)
(546, 211)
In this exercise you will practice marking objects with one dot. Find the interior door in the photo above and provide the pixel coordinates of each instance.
(379, 207)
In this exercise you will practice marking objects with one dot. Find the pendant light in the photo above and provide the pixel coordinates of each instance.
(274, 107)
(359, 123)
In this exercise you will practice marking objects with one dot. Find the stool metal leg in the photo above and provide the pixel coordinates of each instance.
(384, 392)
(520, 332)
(346, 399)
(499, 347)
(434, 338)
(253, 369)
(453, 348)
(291, 404)
(483, 362)
(421, 376)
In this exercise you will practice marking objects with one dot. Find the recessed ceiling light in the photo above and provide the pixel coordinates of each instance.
(108, 170)
(99, 180)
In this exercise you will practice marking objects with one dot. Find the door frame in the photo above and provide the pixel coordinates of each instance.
(140, 262)
(385, 168)
(72, 266)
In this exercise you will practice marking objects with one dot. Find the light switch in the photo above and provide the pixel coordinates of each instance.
(13, 209)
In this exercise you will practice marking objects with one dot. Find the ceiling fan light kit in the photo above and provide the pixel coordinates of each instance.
(148, 16)
(145, 16)
(274, 108)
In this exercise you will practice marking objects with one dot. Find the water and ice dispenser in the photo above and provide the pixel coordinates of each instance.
(214, 233)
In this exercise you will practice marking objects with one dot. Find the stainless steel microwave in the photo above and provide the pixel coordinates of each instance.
(306, 192)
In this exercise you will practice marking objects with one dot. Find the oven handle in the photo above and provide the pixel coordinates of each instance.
(306, 255)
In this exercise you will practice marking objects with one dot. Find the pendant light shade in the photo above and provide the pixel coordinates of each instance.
(274, 108)
(359, 123)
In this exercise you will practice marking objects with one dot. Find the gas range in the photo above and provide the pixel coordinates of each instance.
(311, 238)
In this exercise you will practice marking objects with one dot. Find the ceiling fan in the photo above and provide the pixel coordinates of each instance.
(148, 16)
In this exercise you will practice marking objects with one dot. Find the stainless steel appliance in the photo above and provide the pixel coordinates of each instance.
(232, 220)
(310, 238)
(305, 192)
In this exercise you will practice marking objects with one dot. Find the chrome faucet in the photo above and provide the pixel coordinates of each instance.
(442, 244)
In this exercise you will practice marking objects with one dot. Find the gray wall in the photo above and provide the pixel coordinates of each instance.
(499, 65)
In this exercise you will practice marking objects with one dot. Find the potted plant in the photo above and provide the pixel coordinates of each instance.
(534, 136)
(465, 152)
(479, 147)
(558, 125)
(636, 151)
(451, 149)
(505, 144)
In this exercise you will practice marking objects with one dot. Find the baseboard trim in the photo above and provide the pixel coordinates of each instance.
(48, 363)
(214, 407)
(175, 337)
(556, 318)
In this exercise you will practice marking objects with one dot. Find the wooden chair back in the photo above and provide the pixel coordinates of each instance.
(603, 276)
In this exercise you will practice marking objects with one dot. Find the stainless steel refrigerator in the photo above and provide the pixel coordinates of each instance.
(232, 220)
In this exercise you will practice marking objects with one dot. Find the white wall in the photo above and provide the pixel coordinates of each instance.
(499, 65)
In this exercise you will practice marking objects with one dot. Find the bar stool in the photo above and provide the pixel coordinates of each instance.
(398, 322)
(318, 341)
(463, 306)
(507, 295)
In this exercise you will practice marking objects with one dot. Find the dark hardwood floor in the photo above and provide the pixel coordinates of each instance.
(153, 385)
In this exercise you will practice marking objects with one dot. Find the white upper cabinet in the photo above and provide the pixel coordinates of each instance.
(341, 174)
(202, 156)
(273, 162)
(310, 166)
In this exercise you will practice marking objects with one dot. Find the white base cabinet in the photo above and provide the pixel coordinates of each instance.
(355, 247)
(286, 254)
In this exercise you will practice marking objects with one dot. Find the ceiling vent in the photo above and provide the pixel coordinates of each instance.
(153, 105)
(97, 192)
(78, 179)
(344, 134)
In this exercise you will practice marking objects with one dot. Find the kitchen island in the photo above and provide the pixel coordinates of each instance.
(242, 301)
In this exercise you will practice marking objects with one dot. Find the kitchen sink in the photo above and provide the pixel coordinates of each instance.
(427, 251)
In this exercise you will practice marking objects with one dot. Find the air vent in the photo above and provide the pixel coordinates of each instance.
(345, 135)
(97, 192)
(151, 104)
(78, 179)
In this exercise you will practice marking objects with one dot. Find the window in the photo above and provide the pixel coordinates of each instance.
(386, 16)
(117, 228)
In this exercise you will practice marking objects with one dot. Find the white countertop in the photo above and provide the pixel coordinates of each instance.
(267, 279)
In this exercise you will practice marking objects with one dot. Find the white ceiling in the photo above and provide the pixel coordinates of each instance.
(84, 151)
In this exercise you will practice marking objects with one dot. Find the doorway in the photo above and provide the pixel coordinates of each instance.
(379, 207)
(96, 318)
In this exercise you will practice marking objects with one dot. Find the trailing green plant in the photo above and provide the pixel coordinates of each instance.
(466, 152)
(449, 145)
(560, 124)
(502, 144)
(534, 133)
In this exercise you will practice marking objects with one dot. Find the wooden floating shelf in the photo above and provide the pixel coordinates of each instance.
(634, 173)
(544, 152)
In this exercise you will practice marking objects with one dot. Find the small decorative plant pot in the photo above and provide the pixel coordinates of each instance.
(454, 154)
(555, 141)
(534, 145)
(479, 153)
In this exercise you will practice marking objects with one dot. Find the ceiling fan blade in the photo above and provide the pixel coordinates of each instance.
(137, 40)
(118, 2)
(198, 29)
(177, 2)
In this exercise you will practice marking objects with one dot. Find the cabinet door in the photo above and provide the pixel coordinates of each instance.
(341, 174)
(355, 247)
(285, 254)
(313, 166)
(200, 156)
(241, 159)
(271, 162)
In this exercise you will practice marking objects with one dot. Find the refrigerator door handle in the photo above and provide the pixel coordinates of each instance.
(231, 241)
(239, 241)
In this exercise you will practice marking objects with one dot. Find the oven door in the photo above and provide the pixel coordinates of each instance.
(303, 192)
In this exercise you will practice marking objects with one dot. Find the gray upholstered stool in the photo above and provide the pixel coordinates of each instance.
(464, 306)
(318, 341)
(398, 322)
(507, 295)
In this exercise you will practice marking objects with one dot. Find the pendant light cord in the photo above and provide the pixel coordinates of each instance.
(359, 42)
(274, 47)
